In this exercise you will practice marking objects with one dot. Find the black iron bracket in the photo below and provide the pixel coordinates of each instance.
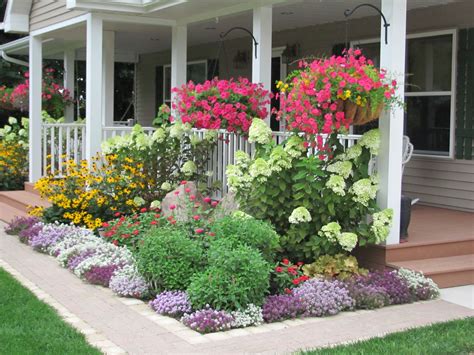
(255, 43)
(349, 12)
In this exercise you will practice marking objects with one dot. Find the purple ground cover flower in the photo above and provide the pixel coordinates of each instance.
(19, 224)
(208, 320)
(280, 307)
(323, 297)
(396, 287)
(367, 296)
(27, 234)
(49, 236)
(100, 275)
(127, 282)
(171, 303)
(77, 259)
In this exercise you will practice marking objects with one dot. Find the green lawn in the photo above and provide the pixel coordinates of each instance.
(455, 337)
(29, 326)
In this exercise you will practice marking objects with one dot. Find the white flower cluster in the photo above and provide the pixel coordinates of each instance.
(279, 159)
(371, 140)
(332, 232)
(342, 168)
(75, 237)
(381, 223)
(251, 315)
(294, 146)
(260, 170)
(237, 179)
(364, 190)
(69, 249)
(337, 184)
(260, 132)
(351, 153)
(416, 280)
(299, 215)
(127, 282)
(189, 168)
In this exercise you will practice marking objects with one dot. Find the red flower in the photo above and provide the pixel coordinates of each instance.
(173, 221)
(153, 223)
(117, 214)
(278, 269)
(184, 182)
(157, 215)
(212, 234)
(207, 199)
(135, 232)
(115, 242)
(199, 231)
(187, 190)
(285, 261)
(287, 290)
(300, 263)
(214, 203)
(296, 281)
(105, 224)
(172, 207)
(143, 210)
(196, 218)
(192, 198)
(176, 192)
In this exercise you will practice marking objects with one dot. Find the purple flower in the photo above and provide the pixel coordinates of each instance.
(208, 320)
(49, 236)
(280, 307)
(127, 282)
(100, 275)
(27, 234)
(396, 288)
(19, 224)
(171, 303)
(367, 296)
(323, 297)
(78, 258)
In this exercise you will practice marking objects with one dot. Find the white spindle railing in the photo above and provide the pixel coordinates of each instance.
(62, 142)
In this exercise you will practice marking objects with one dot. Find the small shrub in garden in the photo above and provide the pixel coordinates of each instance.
(421, 287)
(13, 154)
(208, 320)
(280, 307)
(168, 258)
(286, 276)
(396, 287)
(49, 236)
(367, 296)
(251, 315)
(235, 277)
(323, 297)
(339, 266)
(127, 282)
(254, 233)
(171, 303)
(19, 224)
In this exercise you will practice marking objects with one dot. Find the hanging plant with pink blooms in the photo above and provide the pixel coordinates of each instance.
(327, 95)
(54, 96)
(222, 104)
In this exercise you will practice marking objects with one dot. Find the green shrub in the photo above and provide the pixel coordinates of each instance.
(255, 233)
(168, 258)
(236, 276)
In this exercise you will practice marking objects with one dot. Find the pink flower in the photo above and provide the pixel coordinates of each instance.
(196, 218)
(172, 207)
(214, 203)
(207, 199)
(199, 231)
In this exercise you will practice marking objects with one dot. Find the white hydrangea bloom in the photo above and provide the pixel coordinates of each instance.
(342, 168)
(371, 140)
(242, 159)
(337, 184)
(347, 240)
(260, 170)
(279, 159)
(260, 132)
(237, 179)
(299, 215)
(12, 120)
(138, 201)
(294, 146)
(211, 135)
(189, 168)
(142, 141)
(330, 231)
(381, 223)
(351, 153)
(177, 130)
(159, 135)
(155, 204)
(364, 191)
(166, 186)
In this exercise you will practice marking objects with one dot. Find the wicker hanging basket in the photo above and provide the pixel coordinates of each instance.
(359, 115)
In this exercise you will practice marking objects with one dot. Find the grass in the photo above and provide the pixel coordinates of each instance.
(29, 326)
(454, 337)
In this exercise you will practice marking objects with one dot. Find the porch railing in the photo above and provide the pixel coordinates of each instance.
(62, 142)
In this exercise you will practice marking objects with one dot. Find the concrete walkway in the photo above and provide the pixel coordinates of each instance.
(123, 325)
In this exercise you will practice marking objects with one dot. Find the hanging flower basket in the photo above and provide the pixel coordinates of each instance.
(359, 115)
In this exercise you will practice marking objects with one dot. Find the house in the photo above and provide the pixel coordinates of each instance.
(172, 41)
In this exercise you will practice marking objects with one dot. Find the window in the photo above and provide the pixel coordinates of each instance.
(196, 72)
(429, 90)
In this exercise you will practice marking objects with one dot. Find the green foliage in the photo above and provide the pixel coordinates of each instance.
(250, 231)
(339, 266)
(236, 276)
(168, 258)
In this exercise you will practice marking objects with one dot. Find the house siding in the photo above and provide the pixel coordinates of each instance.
(49, 12)
(437, 182)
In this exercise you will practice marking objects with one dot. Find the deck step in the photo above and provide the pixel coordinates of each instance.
(22, 200)
(430, 250)
(446, 271)
(30, 187)
(8, 213)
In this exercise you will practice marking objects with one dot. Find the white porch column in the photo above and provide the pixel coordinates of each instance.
(108, 78)
(392, 58)
(35, 125)
(262, 65)
(69, 82)
(179, 44)
(94, 83)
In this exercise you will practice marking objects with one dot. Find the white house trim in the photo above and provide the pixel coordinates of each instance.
(17, 16)
(57, 26)
(392, 58)
(108, 77)
(69, 81)
(35, 125)
(143, 20)
(138, 7)
(179, 47)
